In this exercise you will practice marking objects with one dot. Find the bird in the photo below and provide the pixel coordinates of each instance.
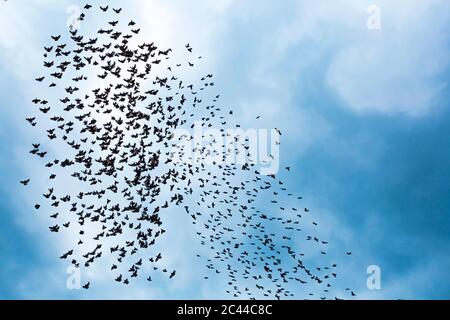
(54, 228)
(25, 182)
(111, 166)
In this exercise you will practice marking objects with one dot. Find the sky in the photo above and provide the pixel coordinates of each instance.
(365, 116)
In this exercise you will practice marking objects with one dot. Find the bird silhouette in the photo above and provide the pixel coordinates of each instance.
(115, 169)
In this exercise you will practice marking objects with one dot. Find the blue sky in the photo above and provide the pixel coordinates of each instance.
(365, 116)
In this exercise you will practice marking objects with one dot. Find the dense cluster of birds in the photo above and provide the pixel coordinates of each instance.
(117, 104)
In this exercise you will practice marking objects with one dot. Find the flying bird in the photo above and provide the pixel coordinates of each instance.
(116, 171)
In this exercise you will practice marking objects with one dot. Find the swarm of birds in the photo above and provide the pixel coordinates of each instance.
(119, 103)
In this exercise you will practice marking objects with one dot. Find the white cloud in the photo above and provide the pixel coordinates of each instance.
(392, 71)
(398, 69)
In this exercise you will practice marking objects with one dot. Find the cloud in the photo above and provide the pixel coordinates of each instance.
(20, 36)
(260, 50)
(28, 39)
(399, 69)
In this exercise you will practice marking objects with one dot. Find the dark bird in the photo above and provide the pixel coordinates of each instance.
(118, 169)
(25, 182)
(55, 228)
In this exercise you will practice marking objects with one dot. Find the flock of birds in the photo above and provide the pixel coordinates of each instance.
(117, 104)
